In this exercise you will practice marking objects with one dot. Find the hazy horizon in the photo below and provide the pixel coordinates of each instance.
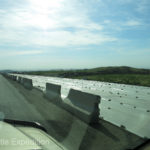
(58, 69)
(74, 34)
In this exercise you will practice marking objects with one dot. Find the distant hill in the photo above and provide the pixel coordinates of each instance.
(121, 70)
(94, 71)
(122, 74)
(6, 71)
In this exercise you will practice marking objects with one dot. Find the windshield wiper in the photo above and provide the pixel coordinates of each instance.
(25, 123)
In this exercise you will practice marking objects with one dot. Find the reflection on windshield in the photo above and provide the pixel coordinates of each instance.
(75, 73)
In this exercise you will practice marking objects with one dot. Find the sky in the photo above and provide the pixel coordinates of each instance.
(68, 34)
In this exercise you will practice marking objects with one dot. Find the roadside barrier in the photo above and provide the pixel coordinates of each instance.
(19, 79)
(14, 78)
(53, 93)
(27, 83)
(83, 105)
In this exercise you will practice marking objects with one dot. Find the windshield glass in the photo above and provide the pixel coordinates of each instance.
(77, 69)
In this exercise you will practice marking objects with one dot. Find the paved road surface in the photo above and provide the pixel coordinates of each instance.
(13, 104)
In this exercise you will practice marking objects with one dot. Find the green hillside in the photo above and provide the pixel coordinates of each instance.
(122, 74)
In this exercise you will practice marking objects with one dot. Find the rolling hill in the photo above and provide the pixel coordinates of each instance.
(122, 74)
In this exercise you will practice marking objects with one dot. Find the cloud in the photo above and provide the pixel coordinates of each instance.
(53, 38)
(133, 23)
(125, 1)
(16, 53)
(33, 52)
(50, 23)
(143, 6)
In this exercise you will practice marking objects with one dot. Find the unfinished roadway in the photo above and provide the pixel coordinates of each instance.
(19, 103)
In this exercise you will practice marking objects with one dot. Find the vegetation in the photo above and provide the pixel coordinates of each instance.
(125, 75)
(133, 79)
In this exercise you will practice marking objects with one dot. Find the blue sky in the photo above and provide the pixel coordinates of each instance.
(54, 34)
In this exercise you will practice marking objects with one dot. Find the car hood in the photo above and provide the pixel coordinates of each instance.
(25, 138)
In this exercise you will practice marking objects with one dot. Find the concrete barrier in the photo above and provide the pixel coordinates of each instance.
(20, 79)
(14, 78)
(11, 77)
(83, 105)
(6, 75)
(27, 83)
(53, 93)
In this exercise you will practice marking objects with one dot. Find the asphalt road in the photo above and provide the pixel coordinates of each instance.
(18, 103)
(13, 104)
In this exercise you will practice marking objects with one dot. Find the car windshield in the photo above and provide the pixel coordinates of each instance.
(76, 72)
